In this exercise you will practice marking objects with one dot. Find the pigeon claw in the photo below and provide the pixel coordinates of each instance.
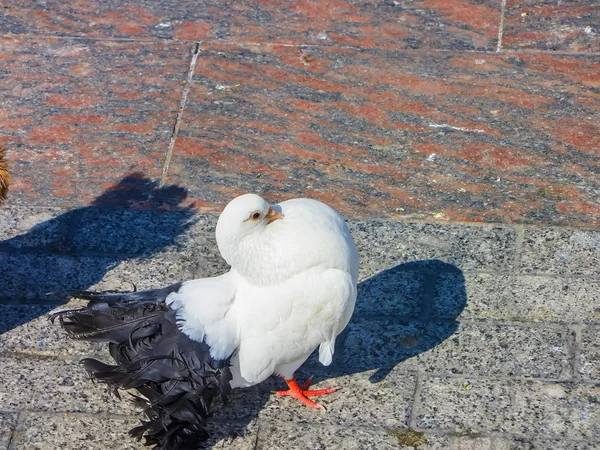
(302, 393)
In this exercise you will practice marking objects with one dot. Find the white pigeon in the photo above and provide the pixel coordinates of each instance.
(291, 288)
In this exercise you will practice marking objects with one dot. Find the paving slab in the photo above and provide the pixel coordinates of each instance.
(81, 431)
(48, 431)
(8, 421)
(466, 25)
(389, 243)
(384, 404)
(118, 231)
(277, 437)
(590, 354)
(392, 293)
(159, 271)
(532, 408)
(555, 26)
(460, 348)
(547, 444)
(233, 435)
(535, 299)
(377, 133)
(27, 329)
(34, 276)
(476, 443)
(560, 251)
(24, 227)
(44, 384)
(79, 116)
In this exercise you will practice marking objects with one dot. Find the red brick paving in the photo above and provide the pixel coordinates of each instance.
(458, 24)
(78, 115)
(572, 26)
(387, 109)
(477, 137)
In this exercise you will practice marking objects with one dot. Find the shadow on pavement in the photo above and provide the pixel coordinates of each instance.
(401, 312)
(51, 259)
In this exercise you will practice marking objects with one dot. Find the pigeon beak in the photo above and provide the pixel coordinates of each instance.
(273, 215)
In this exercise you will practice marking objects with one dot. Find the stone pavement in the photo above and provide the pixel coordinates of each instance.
(459, 138)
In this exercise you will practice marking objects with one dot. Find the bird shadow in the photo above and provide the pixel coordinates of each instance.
(401, 313)
(76, 249)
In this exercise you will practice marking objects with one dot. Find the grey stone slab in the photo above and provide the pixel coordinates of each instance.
(408, 290)
(33, 227)
(590, 354)
(366, 271)
(359, 402)
(561, 251)
(518, 298)
(556, 444)
(74, 431)
(33, 276)
(466, 348)
(118, 231)
(199, 236)
(27, 329)
(157, 271)
(8, 422)
(534, 409)
(275, 436)
(232, 435)
(43, 384)
(392, 293)
(387, 244)
(478, 443)
(77, 431)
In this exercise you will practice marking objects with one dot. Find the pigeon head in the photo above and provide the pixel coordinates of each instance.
(240, 224)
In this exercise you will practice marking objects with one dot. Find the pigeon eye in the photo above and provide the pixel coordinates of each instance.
(255, 216)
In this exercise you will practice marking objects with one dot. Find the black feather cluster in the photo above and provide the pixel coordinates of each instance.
(176, 378)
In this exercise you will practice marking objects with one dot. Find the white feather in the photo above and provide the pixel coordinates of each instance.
(291, 289)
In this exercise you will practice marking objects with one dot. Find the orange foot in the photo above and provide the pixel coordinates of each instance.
(302, 393)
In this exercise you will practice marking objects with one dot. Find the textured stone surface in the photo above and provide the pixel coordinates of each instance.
(233, 435)
(158, 271)
(467, 348)
(561, 251)
(392, 293)
(8, 422)
(41, 384)
(274, 436)
(554, 444)
(70, 431)
(419, 24)
(590, 353)
(451, 135)
(386, 403)
(389, 243)
(27, 329)
(81, 116)
(560, 410)
(33, 276)
(518, 298)
(130, 232)
(547, 25)
(33, 227)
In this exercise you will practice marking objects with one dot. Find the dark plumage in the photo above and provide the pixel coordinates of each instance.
(177, 379)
